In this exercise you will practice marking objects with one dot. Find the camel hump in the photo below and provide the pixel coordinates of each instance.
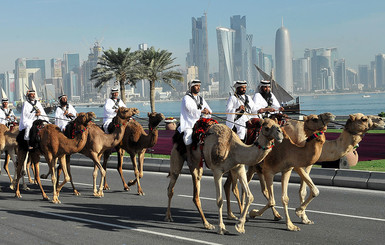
(219, 137)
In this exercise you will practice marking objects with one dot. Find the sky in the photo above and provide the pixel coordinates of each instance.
(47, 29)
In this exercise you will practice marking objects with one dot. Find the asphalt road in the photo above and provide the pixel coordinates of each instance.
(341, 215)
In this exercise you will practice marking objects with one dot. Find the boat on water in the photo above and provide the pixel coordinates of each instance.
(366, 96)
(281, 94)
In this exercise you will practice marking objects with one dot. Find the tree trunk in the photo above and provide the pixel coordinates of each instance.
(122, 91)
(152, 95)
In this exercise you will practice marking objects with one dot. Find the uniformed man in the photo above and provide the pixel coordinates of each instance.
(32, 110)
(65, 112)
(265, 100)
(6, 114)
(192, 108)
(111, 108)
(238, 106)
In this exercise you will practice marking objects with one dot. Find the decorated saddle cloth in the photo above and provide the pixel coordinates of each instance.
(253, 127)
(200, 129)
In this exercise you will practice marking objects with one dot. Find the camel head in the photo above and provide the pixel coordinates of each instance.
(313, 123)
(126, 113)
(377, 121)
(82, 119)
(154, 119)
(90, 116)
(271, 129)
(358, 124)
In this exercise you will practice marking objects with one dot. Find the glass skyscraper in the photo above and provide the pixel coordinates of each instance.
(283, 59)
(225, 39)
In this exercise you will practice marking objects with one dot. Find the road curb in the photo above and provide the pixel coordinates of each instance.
(320, 176)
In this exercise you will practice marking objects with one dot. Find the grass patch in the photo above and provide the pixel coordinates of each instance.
(374, 165)
(380, 131)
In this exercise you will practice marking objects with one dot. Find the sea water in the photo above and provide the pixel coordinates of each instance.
(338, 104)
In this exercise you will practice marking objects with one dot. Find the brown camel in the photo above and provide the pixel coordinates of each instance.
(286, 156)
(98, 142)
(8, 145)
(135, 142)
(223, 151)
(55, 145)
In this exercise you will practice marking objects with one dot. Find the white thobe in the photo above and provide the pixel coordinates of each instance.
(233, 103)
(62, 120)
(28, 116)
(260, 102)
(110, 112)
(3, 116)
(189, 114)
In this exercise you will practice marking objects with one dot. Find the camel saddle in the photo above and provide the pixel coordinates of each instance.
(199, 134)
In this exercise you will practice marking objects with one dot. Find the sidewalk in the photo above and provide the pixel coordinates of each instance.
(320, 176)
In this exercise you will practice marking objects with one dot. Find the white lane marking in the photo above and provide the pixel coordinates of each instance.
(131, 228)
(307, 210)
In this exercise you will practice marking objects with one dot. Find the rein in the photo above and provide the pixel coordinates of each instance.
(315, 135)
(264, 147)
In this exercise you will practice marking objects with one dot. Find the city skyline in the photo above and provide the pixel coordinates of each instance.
(46, 29)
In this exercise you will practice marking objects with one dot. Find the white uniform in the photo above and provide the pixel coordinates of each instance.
(109, 111)
(4, 112)
(62, 120)
(189, 114)
(260, 102)
(28, 116)
(233, 103)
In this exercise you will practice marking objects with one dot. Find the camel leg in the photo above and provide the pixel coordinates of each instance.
(11, 154)
(218, 187)
(231, 181)
(136, 171)
(270, 196)
(68, 160)
(265, 192)
(176, 164)
(6, 162)
(120, 168)
(29, 165)
(67, 178)
(35, 158)
(241, 173)
(52, 166)
(302, 188)
(106, 156)
(96, 159)
(285, 200)
(196, 173)
(21, 156)
(314, 192)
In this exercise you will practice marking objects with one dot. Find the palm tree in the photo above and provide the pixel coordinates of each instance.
(121, 66)
(156, 66)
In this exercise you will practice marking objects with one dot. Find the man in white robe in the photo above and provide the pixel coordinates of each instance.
(111, 108)
(32, 110)
(6, 114)
(241, 103)
(265, 100)
(65, 112)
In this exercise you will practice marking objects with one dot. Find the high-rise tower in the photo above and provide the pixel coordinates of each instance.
(225, 39)
(283, 59)
(198, 55)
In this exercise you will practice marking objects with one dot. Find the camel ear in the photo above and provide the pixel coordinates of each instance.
(77, 114)
(352, 117)
(304, 118)
(370, 122)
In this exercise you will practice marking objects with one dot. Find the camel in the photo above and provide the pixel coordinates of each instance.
(135, 142)
(55, 145)
(288, 155)
(223, 151)
(98, 142)
(8, 145)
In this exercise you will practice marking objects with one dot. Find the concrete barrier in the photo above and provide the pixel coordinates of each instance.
(377, 181)
(351, 178)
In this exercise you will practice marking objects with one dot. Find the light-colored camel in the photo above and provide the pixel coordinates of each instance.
(55, 145)
(98, 142)
(135, 142)
(8, 145)
(223, 152)
(287, 155)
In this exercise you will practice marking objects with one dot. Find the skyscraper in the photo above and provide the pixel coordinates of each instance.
(301, 75)
(238, 24)
(340, 75)
(283, 59)
(380, 70)
(363, 76)
(225, 39)
(71, 81)
(91, 93)
(198, 55)
(21, 80)
(37, 63)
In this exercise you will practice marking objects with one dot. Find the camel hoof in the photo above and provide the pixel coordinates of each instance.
(141, 193)
(168, 219)
(277, 218)
(240, 227)
(12, 187)
(76, 193)
(56, 201)
(106, 188)
(26, 188)
(209, 226)
(302, 214)
(293, 228)
(223, 231)
(31, 181)
(17, 195)
(45, 198)
(130, 183)
(126, 188)
(254, 213)
(231, 216)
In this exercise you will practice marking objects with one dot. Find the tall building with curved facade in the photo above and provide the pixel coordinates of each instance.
(283, 59)
(225, 39)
